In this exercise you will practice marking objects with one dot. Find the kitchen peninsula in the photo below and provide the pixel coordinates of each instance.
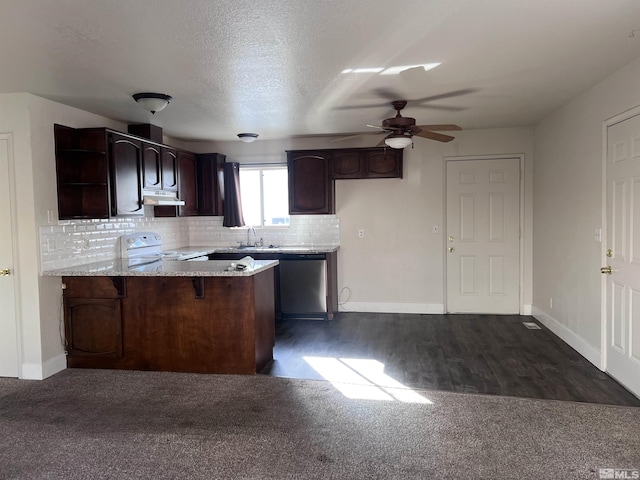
(176, 316)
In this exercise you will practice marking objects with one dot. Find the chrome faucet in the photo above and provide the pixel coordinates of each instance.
(249, 230)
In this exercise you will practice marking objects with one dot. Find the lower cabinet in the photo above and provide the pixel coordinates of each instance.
(93, 327)
(178, 324)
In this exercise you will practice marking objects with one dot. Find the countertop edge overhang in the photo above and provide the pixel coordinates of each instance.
(169, 268)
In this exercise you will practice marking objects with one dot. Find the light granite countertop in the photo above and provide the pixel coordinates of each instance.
(284, 249)
(181, 268)
(161, 268)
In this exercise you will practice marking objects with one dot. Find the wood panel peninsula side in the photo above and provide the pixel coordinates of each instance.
(171, 322)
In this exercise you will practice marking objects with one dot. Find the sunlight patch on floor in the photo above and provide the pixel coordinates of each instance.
(363, 379)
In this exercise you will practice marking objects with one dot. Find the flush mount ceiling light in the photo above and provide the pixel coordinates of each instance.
(154, 102)
(248, 137)
(398, 141)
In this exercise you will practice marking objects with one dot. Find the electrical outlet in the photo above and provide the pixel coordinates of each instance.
(360, 233)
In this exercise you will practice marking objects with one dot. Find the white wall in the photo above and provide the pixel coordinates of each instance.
(568, 207)
(398, 266)
(30, 120)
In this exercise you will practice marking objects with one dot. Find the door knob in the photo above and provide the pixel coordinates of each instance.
(5, 272)
(451, 249)
(451, 239)
(607, 270)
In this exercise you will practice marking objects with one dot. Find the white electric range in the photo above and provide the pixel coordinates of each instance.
(145, 248)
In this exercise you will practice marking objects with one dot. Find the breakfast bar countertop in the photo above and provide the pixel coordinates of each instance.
(161, 268)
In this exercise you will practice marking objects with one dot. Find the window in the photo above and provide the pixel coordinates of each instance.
(265, 195)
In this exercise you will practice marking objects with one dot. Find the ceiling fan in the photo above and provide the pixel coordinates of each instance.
(400, 130)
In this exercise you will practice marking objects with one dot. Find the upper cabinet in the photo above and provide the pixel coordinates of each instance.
(151, 166)
(99, 173)
(159, 167)
(310, 183)
(102, 173)
(82, 169)
(125, 158)
(312, 174)
(367, 163)
(169, 169)
(187, 184)
(210, 183)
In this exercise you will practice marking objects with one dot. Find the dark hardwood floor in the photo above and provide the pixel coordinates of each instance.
(487, 354)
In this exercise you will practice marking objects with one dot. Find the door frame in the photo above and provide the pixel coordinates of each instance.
(621, 117)
(515, 156)
(8, 139)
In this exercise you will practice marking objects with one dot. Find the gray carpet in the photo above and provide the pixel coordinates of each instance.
(95, 424)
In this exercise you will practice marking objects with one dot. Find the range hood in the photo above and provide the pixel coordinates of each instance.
(161, 198)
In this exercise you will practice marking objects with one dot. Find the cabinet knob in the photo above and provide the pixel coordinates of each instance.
(5, 272)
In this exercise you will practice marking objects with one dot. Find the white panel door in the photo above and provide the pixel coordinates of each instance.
(623, 253)
(8, 328)
(483, 236)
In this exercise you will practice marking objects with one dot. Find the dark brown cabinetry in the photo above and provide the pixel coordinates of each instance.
(187, 184)
(102, 174)
(310, 183)
(151, 166)
(210, 183)
(180, 324)
(349, 164)
(367, 163)
(312, 174)
(125, 159)
(159, 168)
(99, 173)
(82, 168)
(169, 169)
(93, 319)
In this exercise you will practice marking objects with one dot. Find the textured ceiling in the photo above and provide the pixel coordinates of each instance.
(274, 67)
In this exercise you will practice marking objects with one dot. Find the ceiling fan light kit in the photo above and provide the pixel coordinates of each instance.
(398, 141)
(153, 102)
(248, 137)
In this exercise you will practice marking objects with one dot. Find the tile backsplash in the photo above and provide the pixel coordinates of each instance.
(74, 242)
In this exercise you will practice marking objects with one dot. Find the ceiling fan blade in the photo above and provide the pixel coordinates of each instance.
(439, 128)
(443, 108)
(434, 136)
(455, 93)
(356, 107)
(387, 93)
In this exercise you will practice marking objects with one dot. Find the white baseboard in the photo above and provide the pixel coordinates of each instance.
(368, 307)
(34, 371)
(527, 309)
(575, 341)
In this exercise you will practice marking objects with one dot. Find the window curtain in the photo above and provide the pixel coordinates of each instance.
(232, 205)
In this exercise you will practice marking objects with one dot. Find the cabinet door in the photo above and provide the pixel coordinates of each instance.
(310, 183)
(169, 169)
(126, 172)
(93, 327)
(384, 163)
(348, 164)
(187, 186)
(151, 167)
(210, 183)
